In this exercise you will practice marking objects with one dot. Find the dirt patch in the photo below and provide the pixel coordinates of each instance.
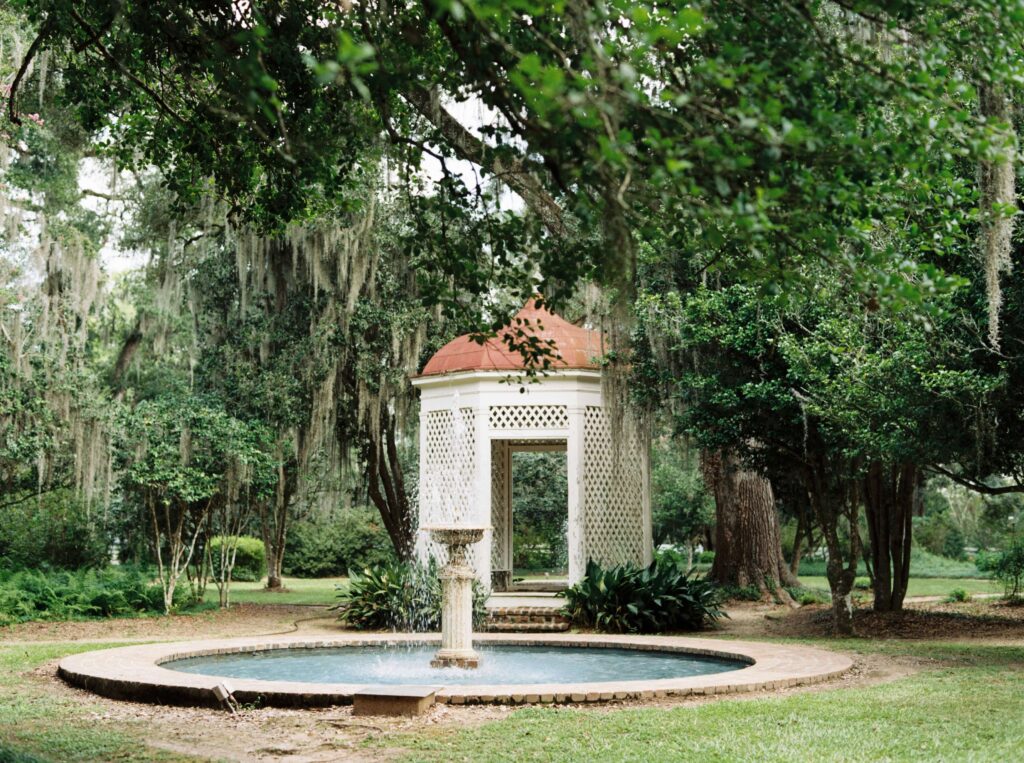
(920, 620)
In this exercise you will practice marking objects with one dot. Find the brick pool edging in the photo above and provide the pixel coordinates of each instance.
(135, 672)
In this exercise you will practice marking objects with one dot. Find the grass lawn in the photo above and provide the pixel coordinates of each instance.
(968, 708)
(297, 591)
(35, 725)
(923, 586)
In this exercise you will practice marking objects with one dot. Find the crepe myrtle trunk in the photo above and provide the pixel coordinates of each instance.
(274, 513)
(835, 504)
(748, 549)
(386, 489)
(891, 495)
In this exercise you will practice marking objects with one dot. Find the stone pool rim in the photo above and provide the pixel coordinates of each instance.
(136, 672)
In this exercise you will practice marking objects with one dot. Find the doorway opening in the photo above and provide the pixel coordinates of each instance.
(530, 515)
(540, 514)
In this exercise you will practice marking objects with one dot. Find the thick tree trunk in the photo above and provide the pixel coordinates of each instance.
(748, 550)
(891, 493)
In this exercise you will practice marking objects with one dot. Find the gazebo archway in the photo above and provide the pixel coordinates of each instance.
(531, 509)
(471, 419)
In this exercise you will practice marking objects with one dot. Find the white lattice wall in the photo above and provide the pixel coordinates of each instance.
(543, 417)
(447, 475)
(613, 493)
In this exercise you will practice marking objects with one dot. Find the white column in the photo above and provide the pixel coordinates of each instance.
(577, 487)
(481, 510)
(644, 444)
(424, 511)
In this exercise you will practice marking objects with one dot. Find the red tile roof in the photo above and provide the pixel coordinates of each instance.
(576, 347)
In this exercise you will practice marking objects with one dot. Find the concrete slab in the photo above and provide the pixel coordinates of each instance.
(530, 599)
(407, 701)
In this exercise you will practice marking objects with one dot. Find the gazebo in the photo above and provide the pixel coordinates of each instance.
(474, 416)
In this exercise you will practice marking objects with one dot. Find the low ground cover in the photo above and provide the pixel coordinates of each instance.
(36, 725)
(940, 586)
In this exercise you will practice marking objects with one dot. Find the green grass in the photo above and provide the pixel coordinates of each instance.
(36, 724)
(297, 591)
(923, 586)
(966, 709)
(923, 564)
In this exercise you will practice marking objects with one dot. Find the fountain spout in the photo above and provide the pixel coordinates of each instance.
(457, 598)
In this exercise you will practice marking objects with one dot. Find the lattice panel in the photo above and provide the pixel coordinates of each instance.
(613, 531)
(500, 513)
(447, 476)
(529, 417)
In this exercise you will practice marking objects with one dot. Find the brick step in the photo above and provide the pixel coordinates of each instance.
(504, 627)
(526, 620)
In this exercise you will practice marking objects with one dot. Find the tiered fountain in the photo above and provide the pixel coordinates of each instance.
(457, 598)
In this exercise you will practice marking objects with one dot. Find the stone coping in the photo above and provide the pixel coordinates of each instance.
(135, 672)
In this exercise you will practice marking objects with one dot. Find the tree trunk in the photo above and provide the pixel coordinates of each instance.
(891, 493)
(274, 519)
(835, 503)
(748, 549)
(386, 489)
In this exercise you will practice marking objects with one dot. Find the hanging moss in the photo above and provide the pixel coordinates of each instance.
(998, 193)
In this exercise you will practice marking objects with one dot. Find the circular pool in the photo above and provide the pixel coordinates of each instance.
(515, 668)
(405, 664)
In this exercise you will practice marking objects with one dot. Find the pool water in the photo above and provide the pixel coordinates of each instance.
(410, 664)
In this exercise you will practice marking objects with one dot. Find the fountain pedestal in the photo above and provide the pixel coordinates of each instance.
(456, 599)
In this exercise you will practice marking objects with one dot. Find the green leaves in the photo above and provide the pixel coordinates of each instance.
(179, 452)
(628, 599)
(399, 597)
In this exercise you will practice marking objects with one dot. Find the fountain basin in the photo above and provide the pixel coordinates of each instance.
(140, 672)
(456, 535)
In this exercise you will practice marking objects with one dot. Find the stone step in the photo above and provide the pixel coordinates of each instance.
(551, 585)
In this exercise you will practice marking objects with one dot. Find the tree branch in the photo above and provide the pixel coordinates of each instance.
(976, 485)
(515, 173)
(44, 31)
(96, 43)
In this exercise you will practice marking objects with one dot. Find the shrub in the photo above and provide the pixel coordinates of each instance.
(400, 597)
(805, 596)
(958, 595)
(62, 595)
(987, 561)
(332, 545)
(250, 558)
(740, 593)
(671, 555)
(706, 557)
(1008, 569)
(629, 599)
(56, 529)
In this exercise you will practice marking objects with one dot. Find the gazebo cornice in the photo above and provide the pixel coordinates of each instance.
(457, 378)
